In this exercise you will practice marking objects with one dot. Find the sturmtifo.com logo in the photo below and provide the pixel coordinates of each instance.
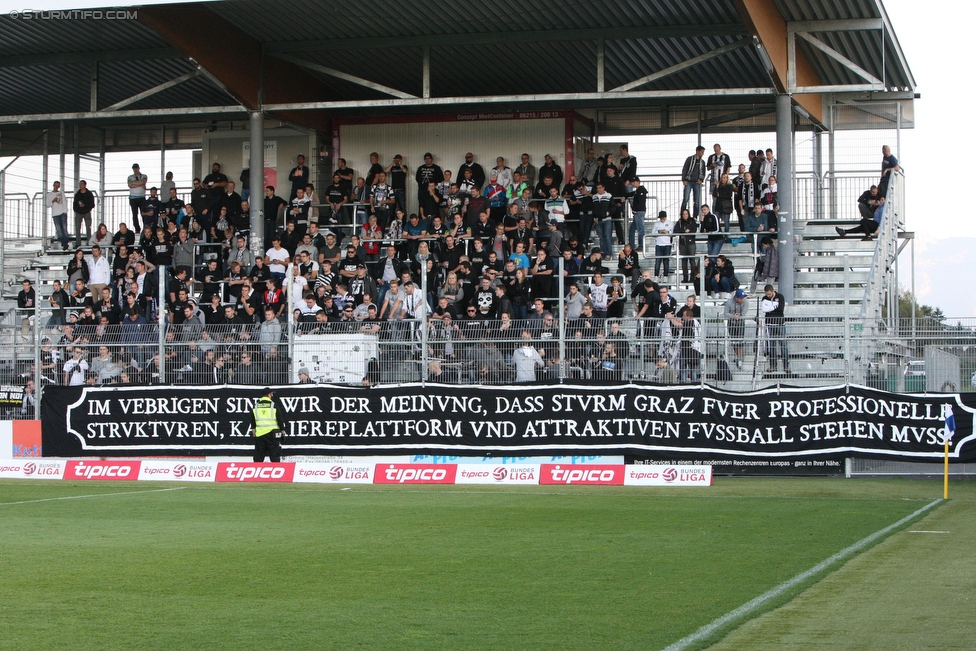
(74, 14)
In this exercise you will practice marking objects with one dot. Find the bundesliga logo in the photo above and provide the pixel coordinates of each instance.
(669, 474)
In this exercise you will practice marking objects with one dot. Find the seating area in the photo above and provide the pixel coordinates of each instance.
(648, 312)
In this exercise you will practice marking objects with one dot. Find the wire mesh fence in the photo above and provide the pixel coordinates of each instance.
(704, 346)
(701, 345)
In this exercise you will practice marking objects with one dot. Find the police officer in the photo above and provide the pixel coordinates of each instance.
(268, 428)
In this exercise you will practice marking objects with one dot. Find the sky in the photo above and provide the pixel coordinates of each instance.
(936, 38)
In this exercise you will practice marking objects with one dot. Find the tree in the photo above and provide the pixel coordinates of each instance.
(905, 301)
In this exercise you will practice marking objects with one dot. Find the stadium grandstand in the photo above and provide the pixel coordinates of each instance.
(466, 200)
(557, 323)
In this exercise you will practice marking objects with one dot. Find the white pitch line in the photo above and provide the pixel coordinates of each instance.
(921, 531)
(751, 606)
(81, 497)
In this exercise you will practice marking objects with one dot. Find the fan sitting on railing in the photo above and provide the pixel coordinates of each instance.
(871, 206)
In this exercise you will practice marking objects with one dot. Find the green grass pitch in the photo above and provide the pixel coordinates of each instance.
(320, 567)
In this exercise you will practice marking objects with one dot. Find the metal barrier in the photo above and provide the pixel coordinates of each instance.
(810, 194)
(479, 349)
(880, 294)
(24, 214)
(865, 467)
(842, 189)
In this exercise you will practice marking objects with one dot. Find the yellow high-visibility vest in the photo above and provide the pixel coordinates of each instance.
(265, 417)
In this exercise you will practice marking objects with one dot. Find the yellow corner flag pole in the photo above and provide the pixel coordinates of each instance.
(945, 483)
(950, 429)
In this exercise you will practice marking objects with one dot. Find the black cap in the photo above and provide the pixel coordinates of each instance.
(267, 391)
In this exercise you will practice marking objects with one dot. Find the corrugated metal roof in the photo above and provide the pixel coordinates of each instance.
(43, 89)
(18, 36)
(119, 80)
(501, 47)
(311, 19)
(864, 47)
(738, 69)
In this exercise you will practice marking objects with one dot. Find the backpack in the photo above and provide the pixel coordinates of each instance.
(722, 371)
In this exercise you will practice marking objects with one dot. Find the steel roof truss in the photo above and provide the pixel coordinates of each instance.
(517, 99)
(152, 91)
(803, 30)
(135, 113)
(852, 25)
(678, 67)
(359, 81)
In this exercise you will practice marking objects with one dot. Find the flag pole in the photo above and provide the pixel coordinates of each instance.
(945, 481)
(950, 429)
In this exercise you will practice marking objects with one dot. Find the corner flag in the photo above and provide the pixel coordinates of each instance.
(950, 429)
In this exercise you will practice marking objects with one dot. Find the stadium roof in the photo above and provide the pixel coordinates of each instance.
(305, 61)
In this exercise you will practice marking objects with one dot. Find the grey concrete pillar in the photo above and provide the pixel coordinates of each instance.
(784, 178)
(61, 156)
(831, 168)
(77, 165)
(818, 197)
(100, 203)
(44, 189)
(162, 155)
(257, 183)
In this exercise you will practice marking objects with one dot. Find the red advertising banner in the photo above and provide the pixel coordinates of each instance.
(103, 470)
(415, 473)
(26, 438)
(252, 472)
(584, 475)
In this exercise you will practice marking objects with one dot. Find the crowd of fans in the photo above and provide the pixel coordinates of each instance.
(479, 262)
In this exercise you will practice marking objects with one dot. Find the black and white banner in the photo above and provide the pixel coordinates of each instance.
(518, 420)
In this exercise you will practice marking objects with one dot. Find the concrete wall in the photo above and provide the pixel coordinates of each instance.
(226, 148)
